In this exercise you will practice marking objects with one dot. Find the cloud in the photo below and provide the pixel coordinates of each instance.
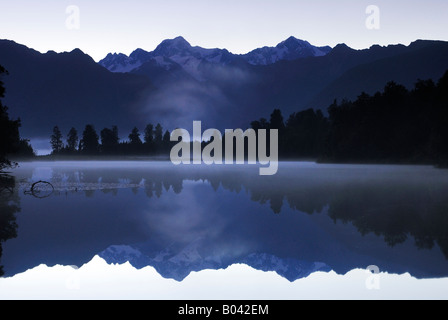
(178, 103)
(186, 217)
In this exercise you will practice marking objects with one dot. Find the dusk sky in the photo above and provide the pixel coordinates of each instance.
(237, 25)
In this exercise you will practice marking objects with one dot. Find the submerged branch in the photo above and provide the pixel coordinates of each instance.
(35, 192)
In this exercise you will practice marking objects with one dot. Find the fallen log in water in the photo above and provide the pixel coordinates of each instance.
(34, 190)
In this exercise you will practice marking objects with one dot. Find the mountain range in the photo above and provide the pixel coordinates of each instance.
(179, 51)
(178, 83)
(177, 265)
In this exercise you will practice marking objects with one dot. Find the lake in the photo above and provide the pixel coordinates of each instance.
(309, 218)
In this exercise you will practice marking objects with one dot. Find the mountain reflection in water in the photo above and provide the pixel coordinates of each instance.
(309, 217)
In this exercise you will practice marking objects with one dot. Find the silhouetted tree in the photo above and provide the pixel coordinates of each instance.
(10, 143)
(25, 149)
(158, 133)
(109, 140)
(260, 124)
(149, 134)
(135, 145)
(276, 121)
(9, 130)
(166, 137)
(305, 134)
(56, 140)
(72, 140)
(166, 141)
(438, 146)
(89, 143)
(148, 139)
(134, 137)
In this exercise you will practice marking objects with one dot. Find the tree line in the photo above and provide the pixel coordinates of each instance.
(10, 140)
(396, 125)
(107, 142)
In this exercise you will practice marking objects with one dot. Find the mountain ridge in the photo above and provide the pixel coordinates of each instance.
(177, 265)
(289, 49)
(48, 89)
(70, 89)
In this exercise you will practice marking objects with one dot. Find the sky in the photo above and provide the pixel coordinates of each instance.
(98, 27)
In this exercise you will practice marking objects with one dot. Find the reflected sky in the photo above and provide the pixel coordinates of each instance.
(307, 218)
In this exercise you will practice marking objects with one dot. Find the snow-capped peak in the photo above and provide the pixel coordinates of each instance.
(172, 47)
(119, 62)
(180, 51)
(290, 49)
(178, 264)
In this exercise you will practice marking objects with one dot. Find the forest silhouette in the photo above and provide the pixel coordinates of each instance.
(10, 141)
(396, 126)
(108, 143)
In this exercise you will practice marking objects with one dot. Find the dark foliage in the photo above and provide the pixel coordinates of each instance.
(89, 144)
(56, 141)
(108, 142)
(9, 206)
(394, 126)
(10, 142)
(72, 140)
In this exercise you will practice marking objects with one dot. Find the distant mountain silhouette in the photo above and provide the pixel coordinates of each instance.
(290, 49)
(224, 91)
(421, 60)
(65, 89)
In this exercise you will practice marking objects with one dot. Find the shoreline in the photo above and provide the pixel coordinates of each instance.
(51, 158)
(154, 159)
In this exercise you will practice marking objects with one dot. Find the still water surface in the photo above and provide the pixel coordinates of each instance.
(309, 217)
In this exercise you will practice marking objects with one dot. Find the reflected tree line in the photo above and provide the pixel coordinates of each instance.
(9, 206)
(397, 125)
(396, 209)
(10, 143)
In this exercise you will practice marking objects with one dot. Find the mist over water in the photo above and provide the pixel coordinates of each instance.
(178, 219)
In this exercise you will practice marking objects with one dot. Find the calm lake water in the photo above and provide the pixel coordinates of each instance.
(309, 217)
